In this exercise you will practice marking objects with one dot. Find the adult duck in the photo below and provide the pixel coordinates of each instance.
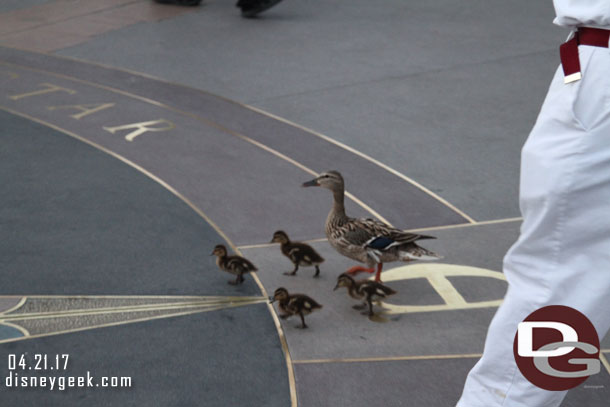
(368, 241)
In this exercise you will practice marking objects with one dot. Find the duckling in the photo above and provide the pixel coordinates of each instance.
(232, 264)
(364, 289)
(294, 304)
(300, 254)
(368, 241)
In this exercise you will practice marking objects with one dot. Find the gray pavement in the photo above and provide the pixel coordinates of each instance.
(388, 78)
(78, 222)
(423, 106)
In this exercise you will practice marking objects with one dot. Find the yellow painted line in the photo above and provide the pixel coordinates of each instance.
(15, 307)
(446, 290)
(388, 358)
(368, 158)
(278, 118)
(419, 230)
(131, 321)
(129, 309)
(604, 361)
(17, 327)
(284, 343)
(264, 245)
(207, 122)
(122, 297)
(465, 225)
(436, 274)
(306, 169)
(83, 313)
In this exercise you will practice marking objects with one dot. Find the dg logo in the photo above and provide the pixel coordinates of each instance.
(438, 275)
(557, 348)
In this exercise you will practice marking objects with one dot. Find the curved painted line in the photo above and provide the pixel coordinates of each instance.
(366, 157)
(284, 343)
(208, 123)
(21, 329)
(263, 112)
(604, 361)
(131, 321)
(14, 307)
(419, 230)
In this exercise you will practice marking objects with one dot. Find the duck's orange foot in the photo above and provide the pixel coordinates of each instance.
(358, 269)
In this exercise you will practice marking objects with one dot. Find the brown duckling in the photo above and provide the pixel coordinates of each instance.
(364, 289)
(236, 265)
(300, 254)
(294, 304)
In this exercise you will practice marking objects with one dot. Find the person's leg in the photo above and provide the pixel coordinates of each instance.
(562, 256)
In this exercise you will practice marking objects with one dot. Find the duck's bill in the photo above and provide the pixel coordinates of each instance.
(335, 289)
(271, 300)
(312, 183)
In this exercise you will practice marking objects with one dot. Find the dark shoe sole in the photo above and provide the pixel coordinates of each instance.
(262, 6)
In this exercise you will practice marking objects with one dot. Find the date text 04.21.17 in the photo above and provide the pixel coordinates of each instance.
(38, 361)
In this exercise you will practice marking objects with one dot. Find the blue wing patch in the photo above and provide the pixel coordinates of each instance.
(380, 243)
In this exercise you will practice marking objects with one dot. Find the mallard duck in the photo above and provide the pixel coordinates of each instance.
(294, 304)
(236, 265)
(300, 254)
(364, 289)
(368, 241)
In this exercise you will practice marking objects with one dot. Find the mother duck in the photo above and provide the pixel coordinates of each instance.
(368, 241)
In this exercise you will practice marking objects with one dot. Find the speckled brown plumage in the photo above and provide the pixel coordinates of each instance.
(366, 290)
(368, 241)
(300, 254)
(234, 264)
(294, 304)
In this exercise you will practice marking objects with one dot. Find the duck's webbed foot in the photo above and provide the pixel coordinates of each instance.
(293, 272)
(360, 306)
(370, 312)
(284, 316)
(317, 272)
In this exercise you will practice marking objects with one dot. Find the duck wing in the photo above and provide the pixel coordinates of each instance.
(302, 302)
(302, 251)
(375, 289)
(377, 235)
(240, 264)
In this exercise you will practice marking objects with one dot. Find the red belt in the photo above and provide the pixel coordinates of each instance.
(569, 50)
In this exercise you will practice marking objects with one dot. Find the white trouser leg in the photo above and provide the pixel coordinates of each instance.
(562, 256)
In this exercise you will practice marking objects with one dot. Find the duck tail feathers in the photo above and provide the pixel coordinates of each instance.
(419, 254)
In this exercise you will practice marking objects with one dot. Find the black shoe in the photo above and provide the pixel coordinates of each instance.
(180, 2)
(250, 8)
